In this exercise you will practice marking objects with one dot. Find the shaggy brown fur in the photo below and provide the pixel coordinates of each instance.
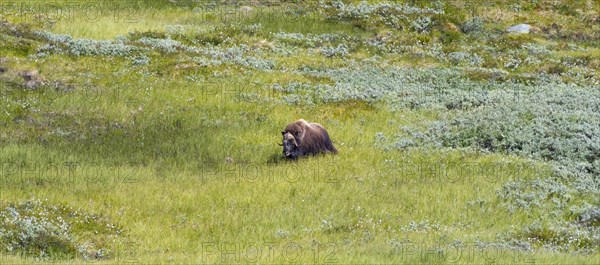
(302, 138)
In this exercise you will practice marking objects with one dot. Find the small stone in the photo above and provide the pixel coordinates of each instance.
(520, 29)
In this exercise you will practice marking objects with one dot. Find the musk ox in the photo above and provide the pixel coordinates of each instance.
(302, 138)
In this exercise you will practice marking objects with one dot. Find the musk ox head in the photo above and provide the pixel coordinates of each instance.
(290, 145)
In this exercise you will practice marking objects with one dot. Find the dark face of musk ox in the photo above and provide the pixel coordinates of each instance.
(290, 145)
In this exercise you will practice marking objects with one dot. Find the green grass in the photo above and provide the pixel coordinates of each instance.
(192, 172)
(339, 201)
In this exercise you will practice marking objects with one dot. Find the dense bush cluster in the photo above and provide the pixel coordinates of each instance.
(403, 87)
(81, 47)
(328, 45)
(375, 11)
(563, 237)
(341, 51)
(549, 122)
(421, 24)
(389, 14)
(217, 55)
(236, 55)
(164, 45)
(544, 119)
(141, 60)
(473, 25)
(55, 232)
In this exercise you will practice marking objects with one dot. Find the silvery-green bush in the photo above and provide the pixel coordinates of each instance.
(464, 58)
(141, 60)
(473, 25)
(82, 47)
(561, 237)
(390, 14)
(340, 51)
(367, 10)
(164, 45)
(422, 24)
(50, 232)
(544, 119)
(535, 49)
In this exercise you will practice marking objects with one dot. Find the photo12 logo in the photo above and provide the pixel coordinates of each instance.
(443, 171)
(236, 12)
(29, 175)
(324, 172)
(233, 92)
(412, 252)
(78, 11)
(216, 252)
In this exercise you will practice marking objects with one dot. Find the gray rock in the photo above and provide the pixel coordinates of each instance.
(520, 29)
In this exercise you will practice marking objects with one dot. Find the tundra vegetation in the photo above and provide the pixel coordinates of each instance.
(147, 131)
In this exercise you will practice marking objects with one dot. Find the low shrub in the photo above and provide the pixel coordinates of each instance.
(388, 14)
(339, 51)
(46, 231)
(473, 25)
(82, 47)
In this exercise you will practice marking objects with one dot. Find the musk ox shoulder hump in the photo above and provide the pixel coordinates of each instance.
(302, 122)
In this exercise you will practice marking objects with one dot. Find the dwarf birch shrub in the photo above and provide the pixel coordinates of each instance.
(563, 237)
(341, 51)
(47, 231)
(407, 87)
(236, 55)
(82, 47)
(464, 58)
(473, 25)
(164, 45)
(544, 119)
(422, 24)
(141, 60)
(390, 14)
(547, 121)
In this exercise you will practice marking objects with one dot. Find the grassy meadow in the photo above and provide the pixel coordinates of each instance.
(147, 131)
